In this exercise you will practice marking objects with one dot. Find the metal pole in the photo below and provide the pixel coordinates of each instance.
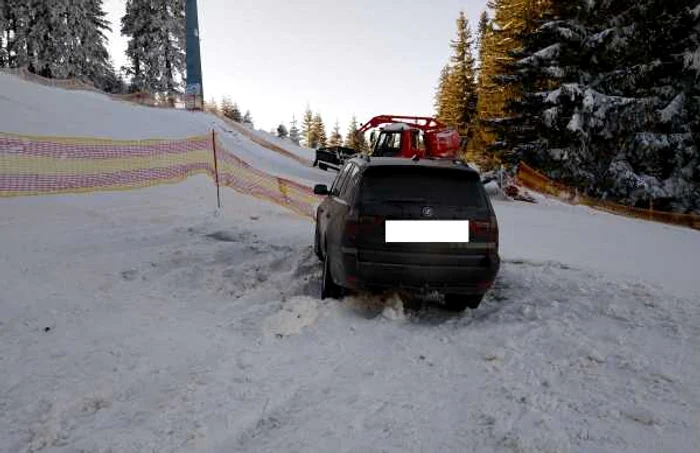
(194, 61)
(216, 169)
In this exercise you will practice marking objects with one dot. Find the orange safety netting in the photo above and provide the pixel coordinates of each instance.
(32, 165)
(532, 179)
(242, 177)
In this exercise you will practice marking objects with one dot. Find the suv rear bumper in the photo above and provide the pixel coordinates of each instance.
(471, 280)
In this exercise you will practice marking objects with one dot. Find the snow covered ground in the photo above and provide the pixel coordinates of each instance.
(140, 322)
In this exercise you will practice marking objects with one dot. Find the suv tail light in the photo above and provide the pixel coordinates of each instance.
(371, 221)
(484, 230)
(365, 224)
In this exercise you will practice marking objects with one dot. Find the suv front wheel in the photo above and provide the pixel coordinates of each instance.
(460, 302)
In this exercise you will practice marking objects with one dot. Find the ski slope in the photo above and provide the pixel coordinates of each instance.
(141, 321)
(27, 108)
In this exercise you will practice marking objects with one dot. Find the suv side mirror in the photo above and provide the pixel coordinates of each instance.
(321, 189)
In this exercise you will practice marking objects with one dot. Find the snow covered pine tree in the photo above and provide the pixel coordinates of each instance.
(156, 31)
(610, 95)
(294, 131)
(59, 39)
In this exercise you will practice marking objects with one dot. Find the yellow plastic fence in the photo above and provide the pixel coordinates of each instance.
(532, 179)
(239, 175)
(31, 165)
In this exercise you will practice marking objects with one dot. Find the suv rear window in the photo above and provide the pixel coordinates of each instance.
(423, 185)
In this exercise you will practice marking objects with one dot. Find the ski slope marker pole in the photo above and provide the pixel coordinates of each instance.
(216, 169)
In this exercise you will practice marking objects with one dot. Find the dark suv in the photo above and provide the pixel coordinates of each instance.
(333, 157)
(418, 225)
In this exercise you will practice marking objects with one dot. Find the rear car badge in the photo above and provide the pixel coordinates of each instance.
(427, 211)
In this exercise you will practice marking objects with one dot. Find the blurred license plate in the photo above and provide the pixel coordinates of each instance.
(426, 231)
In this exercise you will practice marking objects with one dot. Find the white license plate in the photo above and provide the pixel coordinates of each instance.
(427, 231)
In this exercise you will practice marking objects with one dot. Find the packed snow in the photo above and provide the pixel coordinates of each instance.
(148, 321)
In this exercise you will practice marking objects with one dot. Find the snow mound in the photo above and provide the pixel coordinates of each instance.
(393, 310)
(387, 306)
(494, 191)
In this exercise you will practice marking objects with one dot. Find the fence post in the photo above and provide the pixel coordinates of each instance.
(282, 190)
(216, 169)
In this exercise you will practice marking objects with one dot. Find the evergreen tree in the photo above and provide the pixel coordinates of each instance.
(462, 96)
(15, 20)
(156, 31)
(609, 100)
(318, 132)
(57, 39)
(236, 114)
(547, 55)
(136, 25)
(307, 128)
(456, 96)
(212, 107)
(355, 140)
(111, 82)
(248, 119)
(645, 149)
(282, 131)
(171, 47)
(231, 110)
(47, 36)
(336, 137)
(442, 96)
(227, 108)
(88, 57)
(484, 22)
(294, 131)
(498, 44)
(4, 25)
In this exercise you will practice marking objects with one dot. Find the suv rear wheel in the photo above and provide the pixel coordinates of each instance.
(317, 244)
(460, 302)
(329, 289)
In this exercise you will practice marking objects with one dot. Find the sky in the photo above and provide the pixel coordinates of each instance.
(362, 57)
